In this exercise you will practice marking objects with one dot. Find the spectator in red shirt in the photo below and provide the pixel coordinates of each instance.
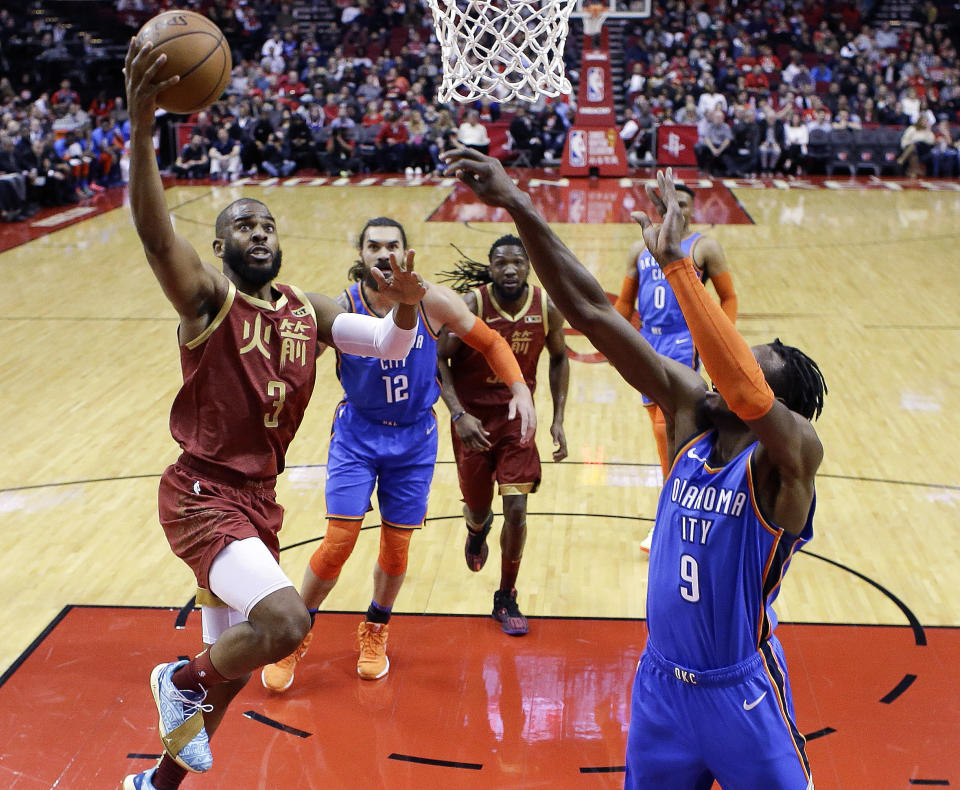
(391, 143)
(331, 109)
(372, 116)
(65, 95)
(290, 88)
(101, 106)
(397, 85)
(756, 81)
(769, 62)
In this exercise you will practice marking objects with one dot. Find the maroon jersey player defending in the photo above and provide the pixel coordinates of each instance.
(248, 351)
(487, 444)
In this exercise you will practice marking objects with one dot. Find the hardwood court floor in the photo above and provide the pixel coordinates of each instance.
(864, 281)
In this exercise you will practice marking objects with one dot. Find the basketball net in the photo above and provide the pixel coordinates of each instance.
(504, 49)
(593, 21)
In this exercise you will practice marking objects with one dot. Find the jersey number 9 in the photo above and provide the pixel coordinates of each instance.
(690, 573)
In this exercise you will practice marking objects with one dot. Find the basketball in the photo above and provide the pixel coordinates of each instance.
(197, 51)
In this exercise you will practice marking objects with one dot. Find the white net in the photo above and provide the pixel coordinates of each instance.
(593, 21)
(503, 49)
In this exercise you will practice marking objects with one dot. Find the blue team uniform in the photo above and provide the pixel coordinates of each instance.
(711, 698)
(664, 326)
(384, 429)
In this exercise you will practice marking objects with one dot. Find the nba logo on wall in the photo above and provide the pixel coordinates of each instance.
(578, 148)
(595, 84)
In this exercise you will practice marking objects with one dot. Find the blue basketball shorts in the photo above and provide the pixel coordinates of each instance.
(676, 345)
(398, 459)
(734, 725)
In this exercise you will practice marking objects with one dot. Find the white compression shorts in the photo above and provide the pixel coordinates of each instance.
(241, 575)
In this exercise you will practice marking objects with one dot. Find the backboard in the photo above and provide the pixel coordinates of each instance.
(617, 9)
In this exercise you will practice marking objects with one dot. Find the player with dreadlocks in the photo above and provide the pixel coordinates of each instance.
(486, 445)
(711, 697)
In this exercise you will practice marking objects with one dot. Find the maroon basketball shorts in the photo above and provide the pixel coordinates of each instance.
(515, 467)
(200, 515)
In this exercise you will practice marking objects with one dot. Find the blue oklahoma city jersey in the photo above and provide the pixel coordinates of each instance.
(663, 325)
(391, 392)
(657, 305)
(716, 563)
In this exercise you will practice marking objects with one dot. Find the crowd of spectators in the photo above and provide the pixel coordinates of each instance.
(758, 78)
(54, 152)
(358, 96)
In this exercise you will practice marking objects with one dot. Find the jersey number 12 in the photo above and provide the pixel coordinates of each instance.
(396, 388)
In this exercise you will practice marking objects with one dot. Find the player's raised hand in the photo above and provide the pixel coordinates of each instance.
(522, 404)
(483, 174)
(139, 71)
(405, 285)
(655, 198)
(664, 240)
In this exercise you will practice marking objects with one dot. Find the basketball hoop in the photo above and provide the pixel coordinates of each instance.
(504, 49)
(593, 21)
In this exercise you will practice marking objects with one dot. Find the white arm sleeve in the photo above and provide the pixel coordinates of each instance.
(366, 336)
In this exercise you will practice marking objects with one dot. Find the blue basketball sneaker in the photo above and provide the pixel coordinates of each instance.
(140, 781)
(181, 719)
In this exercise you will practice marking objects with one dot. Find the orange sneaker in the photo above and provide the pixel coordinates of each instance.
(373, 662)
(279, 677)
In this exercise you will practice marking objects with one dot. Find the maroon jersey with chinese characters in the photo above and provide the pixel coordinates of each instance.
(525, 333)
(247, 380)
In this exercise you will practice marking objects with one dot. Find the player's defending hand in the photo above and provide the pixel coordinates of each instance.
(484, 175)
(405, 285)
(664, 240)
(522, 404)
(140, 70)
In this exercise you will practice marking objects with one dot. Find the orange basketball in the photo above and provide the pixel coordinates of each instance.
(197, 51)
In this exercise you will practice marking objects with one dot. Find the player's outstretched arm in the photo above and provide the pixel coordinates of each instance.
(196, 290)
(574, 290)
(445, 307)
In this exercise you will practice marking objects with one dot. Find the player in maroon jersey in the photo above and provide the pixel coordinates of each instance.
(486, 444)
(248, 349)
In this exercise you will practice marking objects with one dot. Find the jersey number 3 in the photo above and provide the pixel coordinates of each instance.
(396, 388)
(278, 390)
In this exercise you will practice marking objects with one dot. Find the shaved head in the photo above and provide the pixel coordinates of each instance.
(226, 217)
